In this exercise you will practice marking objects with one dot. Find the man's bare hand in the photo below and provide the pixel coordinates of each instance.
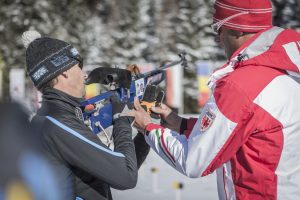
(163, 110)
(142, 118)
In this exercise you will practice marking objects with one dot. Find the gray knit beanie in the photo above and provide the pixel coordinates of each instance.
(46, 57)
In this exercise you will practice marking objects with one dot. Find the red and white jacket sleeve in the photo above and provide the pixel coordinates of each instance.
(222, 127)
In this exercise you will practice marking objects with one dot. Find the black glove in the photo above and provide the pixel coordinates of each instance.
(150, 100)
(120, 109)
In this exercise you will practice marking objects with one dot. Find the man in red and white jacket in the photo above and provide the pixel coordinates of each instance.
(249, 130)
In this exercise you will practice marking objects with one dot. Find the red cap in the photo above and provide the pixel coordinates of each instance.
(243, 15)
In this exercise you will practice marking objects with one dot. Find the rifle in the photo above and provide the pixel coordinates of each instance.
(123, 84)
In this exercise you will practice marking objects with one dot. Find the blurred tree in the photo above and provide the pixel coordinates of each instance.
(109, 32)
(285, 13)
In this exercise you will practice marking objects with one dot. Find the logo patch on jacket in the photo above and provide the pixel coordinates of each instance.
(207, 120)
(78, 113)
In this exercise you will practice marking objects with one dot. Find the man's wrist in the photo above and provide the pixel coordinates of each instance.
(173, 121)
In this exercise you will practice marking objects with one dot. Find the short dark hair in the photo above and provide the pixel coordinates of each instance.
(49, 84)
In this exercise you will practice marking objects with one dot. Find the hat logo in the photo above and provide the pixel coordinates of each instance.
(59, 60)
(39, 73)
(207, 120)
(74, 51)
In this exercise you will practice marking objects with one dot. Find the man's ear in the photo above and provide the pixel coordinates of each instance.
(235, 33)
(238, 34)
(65, 74)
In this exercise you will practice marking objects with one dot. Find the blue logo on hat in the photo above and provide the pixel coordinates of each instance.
(59, 60)
(39, 73)
(74, 51)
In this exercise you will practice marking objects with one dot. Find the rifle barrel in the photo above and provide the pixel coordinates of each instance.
(182, 61)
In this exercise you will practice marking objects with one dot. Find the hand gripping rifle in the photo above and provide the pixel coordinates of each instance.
(126, 86)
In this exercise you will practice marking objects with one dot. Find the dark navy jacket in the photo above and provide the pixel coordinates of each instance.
(86, 167)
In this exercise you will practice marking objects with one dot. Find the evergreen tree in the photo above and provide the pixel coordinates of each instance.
(285, 13)
(109, 32)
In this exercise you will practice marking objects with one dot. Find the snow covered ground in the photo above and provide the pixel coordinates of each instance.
(160, 185)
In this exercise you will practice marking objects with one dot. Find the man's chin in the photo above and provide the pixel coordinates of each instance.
(84, 95)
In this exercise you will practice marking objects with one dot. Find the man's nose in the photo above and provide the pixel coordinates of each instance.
(85, 75)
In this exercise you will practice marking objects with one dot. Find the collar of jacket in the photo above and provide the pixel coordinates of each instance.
(62, 99)
(250, 53)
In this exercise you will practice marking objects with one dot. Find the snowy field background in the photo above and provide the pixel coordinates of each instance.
(193, 189)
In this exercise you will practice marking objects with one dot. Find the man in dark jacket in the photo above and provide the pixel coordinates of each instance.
(85, 166)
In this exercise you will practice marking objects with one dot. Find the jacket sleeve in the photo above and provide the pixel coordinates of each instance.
(222, 127)
(81, 149)
(141, 147)
(187, 126)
